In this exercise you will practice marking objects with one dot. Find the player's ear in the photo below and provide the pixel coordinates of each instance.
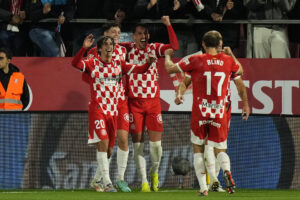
(204, 46)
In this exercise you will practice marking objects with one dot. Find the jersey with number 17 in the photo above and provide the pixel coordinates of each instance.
(210, 77)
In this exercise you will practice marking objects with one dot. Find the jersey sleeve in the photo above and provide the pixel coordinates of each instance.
(78, 61)
(186, 64)
(235, 67)
(92, 53)
(129, 68)
(127, 45)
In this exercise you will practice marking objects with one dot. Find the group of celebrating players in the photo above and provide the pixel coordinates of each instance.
(116, 109)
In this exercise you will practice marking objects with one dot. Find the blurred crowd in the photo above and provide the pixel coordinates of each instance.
(23, 28)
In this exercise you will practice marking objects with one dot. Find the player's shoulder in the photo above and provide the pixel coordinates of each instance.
(225, 56)
(120, 48)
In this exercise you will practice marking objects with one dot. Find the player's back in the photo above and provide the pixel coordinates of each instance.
(210, 82)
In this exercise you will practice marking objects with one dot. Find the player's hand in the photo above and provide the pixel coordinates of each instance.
(228, 51)
(88, 41)
(245, 112)
(179, 99)
(166, 20)
(169, 52)
(151, 58)
(46, 8)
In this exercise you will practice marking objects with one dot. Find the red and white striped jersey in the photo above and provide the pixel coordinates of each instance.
(144, 85)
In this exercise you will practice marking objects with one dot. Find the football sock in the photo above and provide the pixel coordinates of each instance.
(210, 161)
(140, 162)
(200, 170)
(98, 171)
(122, 158)
(103, 165)
(218, 168)
(224, 161)
(155, 155)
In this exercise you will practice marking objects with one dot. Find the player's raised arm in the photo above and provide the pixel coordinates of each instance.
(228, 51)
(170, 66)
(88, 42)
(243, 95)
(182, 89)
(172, 36)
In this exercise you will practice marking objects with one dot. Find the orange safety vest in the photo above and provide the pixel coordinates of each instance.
(10, 100)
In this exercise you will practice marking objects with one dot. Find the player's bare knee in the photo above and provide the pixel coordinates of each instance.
(217, 151)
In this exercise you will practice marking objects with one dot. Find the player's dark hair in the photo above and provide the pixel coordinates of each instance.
(145, 26)
(6, 51)
(103, 39)
(212, 39)
(108, 26)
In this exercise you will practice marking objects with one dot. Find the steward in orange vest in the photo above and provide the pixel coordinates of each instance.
(14, 94)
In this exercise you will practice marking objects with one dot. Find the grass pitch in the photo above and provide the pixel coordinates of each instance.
(163, 194)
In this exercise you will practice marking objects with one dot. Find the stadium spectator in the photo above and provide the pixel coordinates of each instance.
(144, 102)
(47, 36)
(209, 119)
(294, 30)
(86, 9)
(153, 10)
(268, 40)
(217, 10)
(184, 9)
(121, 11)
(14, 92)
(105, 74)
(12, 34)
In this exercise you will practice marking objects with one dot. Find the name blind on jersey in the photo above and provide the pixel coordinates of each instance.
(215, 62)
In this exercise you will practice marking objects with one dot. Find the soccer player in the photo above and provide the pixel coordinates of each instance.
(105, 74)
(113, 30)
(208, 150)
(144, 100)
(210, 75)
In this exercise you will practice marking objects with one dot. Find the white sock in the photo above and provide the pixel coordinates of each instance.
(98, 174)
(122, 158)
(140, 162)
(224, 161)
(104, 167)
(200, 170)
(155, 155)
(218, 167)
(210, 162)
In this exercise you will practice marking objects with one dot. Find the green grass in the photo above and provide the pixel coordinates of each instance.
(163, 194)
